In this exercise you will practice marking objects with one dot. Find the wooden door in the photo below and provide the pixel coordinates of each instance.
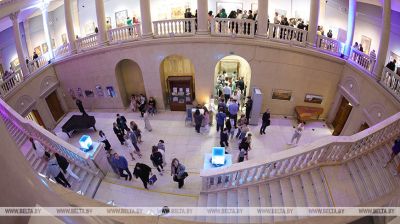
(363, 127)
(54, 105)
(38, 117)
(341, 116)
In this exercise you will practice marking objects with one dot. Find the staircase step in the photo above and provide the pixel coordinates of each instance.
(232, 202)
(202, 202)
(383, 158)
(381, 183)
(211, 202)
(287, 195)
(276, 198)
(358, 183)
(84, 187)
(265, 200)
(309, 190)
(254, 201)
(320, 188)
(94, 185)
(365, 177)
(378, 161)
(298, 191)
(243, 201)
(222, 201)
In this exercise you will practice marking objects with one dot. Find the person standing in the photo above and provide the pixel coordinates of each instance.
(227, 92)
(39, 149)
(146, 120)
(242, 121)
(157, 159)
(391, 65)
(161, 148)
(372, 59)
(122, 164)
(297, 133)
(35, 57)
(395, 152)
(65, 166)
(178, 172)
(103, 139)
(224, 138)
(142, 104)
(220, 117)
(53, 170)
(133, 103)
(119, 133)
(134, 141)
(233, 110)
(245, 145)
(206, 121)
(152, 106)
(79, 104)
(230, 127)
(265, 121)
(249, 107)
(198, 119)
(121, 122)
(143, 172)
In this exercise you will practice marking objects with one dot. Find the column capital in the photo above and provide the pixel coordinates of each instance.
(14, 16)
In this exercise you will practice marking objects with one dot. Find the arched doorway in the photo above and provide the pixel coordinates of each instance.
(177, 81)
(235, 72)
(129, 80)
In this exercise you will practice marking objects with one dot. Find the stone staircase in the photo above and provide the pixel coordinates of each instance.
(89, 180)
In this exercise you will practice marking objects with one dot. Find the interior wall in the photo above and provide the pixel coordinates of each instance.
(8, 49)
(130, 80)
(394, 43)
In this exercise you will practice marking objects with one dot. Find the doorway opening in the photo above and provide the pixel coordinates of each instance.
(232, 75)
(129, 79)
(177, 76)
(55, 106)
(363, 127)
(35, 117)
(341, 116)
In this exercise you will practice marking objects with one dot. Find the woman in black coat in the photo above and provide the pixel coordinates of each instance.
(265, 121)
(157, 159)
(143, 172)
(119, 133)
(65, 167)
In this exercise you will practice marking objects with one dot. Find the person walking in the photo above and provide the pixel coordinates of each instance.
(161, 148)
(79, 104)
(133, 103)
(146, 120)
(65, 166)
(265, 121)
(224, 138)
(178, 172)
(395, 152)
(245, 145)
(53, 170)
(242, 121)
(103, 139)
(143, 172)
(157, 159)
(134, 140)
(249, 107)
(230, 127)
(142, 104)
(122, 164)
(119, 133)
(39, 149)
(110, 160)
(206, 121)
(198, 119)
(233, 110)
(220, 117)
(121, 122)
(297, 134)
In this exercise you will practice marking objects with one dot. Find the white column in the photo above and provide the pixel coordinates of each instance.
(385, 37)
(45, 16)
(147, 31)
(262, 18)
(28, 38)
(312, 26)
(351, 22)
(70, 25)
(322, 12)
(202, 17)
(101, 22)
(18, 43)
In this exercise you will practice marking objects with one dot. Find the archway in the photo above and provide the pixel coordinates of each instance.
(235, 72)
(129, 80)
(177, 81)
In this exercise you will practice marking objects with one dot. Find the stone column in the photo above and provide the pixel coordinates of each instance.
(101, 22)
(351, 21)
(313, 24)
(45, 16)
(18, 43)
(202, 17)
(70, 25)
(262, 18)
(385, 37)
(147, 31)
(29, 46)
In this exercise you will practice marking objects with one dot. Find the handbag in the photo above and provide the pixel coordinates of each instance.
(152, 179)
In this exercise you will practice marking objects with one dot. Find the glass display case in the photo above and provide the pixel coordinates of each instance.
(180, 92)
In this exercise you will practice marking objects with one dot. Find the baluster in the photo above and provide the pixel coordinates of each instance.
(254, 174)
(305, 161)
(236, 180)
(275, 168)
(285, 164)
(261, 172)
(298, 162)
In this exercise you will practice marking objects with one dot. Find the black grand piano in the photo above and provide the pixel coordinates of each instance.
(79, 122)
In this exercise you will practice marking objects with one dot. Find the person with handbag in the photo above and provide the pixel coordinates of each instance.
(178, 172)
(143, 172)
(157, 159)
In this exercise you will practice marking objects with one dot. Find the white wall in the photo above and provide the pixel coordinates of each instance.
(57, 25)
(394, 43)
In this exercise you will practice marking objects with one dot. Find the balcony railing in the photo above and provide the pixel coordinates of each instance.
(287, 34)
(124, 34)
(391, 82)
(329, 45)
(62, 51)
(332, 150)
(174, 27)
(87, 42)
(362, 60)
(38, 63)
(233, 27)
(8, 84)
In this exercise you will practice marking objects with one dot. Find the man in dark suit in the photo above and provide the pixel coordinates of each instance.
(80, 106)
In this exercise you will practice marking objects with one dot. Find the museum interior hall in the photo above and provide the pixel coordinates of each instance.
(200, 111)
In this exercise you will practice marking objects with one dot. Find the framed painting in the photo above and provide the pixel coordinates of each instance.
(79, 92)
(64, 38)
(229, 6)
(15, 63)
(178, 13)
(99, 91)
(311, 98)
(38, 50)
(45, 48)
(366, 43)
(89, 93)
(120, 18)
(110, 91)
(281, 94)
(89, 27)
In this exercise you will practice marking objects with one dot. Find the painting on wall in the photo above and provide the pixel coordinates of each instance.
(366, 43)
(229, 6)
(110, 91)
(64, 38)
(79, 92)
(281, 94)
(89, 27)
(311, 98)
(120, 18)
(38, 50)
(45, 48)
(99, 91)
(178, 13)
(89, 93)
(15, 63)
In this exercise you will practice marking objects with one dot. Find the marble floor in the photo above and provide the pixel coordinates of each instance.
(184, 143)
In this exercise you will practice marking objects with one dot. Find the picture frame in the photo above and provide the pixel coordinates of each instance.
(64, 38)
(53, 43)
(45, 48)
(79, 92)
(366, 43)
(110, 91)
(281, 94)
(312, 98)
(120, 18)
(15, 63)
(177, 13)
(38, 50)
(99, 91)
(228, 6)
(89, 28)
(89, 93)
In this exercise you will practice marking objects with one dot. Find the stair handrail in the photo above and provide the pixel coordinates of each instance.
(331, 150)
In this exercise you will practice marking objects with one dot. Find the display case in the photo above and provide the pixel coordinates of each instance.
(180, 92)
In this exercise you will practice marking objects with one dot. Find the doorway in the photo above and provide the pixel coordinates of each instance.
(363, 127)
(129, 79)
(55, 106)
(35, 117)
(341, 116)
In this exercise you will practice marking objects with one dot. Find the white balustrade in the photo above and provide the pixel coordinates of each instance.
(12, 81)
(287, 34)
(332, 150)
(391, 82)
(87, 42)
(62, 50)
(232, 27)
(329, 45)
(174, 27)
(362, 60)
(124, 34)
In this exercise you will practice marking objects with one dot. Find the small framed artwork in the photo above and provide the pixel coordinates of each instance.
(45, 48)
(110, 91)
(89, 93)
(281, 94)
(64, 38)
(79, 92)
(177, 13)
(366, 43)
(53, 43)
(99, 91)
(311, 98)
(38, 50)
(15, 63)
(120, 18)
